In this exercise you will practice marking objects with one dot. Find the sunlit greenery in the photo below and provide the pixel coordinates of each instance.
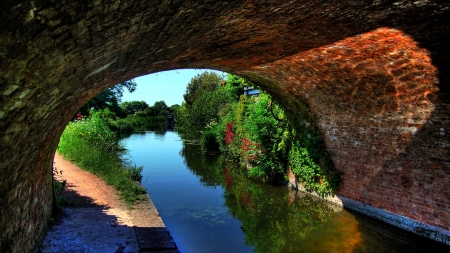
(94, 147)
(259, 134)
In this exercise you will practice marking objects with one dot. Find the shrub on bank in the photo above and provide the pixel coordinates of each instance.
(260, 136)
(93, 146)
(129, 124)
(209, 141)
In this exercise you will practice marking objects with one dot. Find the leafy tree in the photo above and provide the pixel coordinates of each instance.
(205, 109)
(174, 108)
(209, 103)
(109, 98)
(160, 108)
(150, 111)
(133, 106)
(207, 81)
(236, 85)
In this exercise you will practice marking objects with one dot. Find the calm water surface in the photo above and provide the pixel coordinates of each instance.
(210, 206)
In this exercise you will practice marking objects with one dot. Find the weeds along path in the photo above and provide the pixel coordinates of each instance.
(84, 188)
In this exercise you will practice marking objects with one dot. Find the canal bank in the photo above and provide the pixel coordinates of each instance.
(97, 221)
(402, 222)
(212, 206)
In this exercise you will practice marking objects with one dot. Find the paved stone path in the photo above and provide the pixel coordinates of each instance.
(100, 222)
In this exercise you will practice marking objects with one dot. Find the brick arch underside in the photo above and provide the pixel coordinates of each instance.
(374, 74)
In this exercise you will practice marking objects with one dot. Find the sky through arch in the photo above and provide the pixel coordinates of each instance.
(168, 86)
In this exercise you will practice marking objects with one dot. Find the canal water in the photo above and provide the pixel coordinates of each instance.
(209, 205)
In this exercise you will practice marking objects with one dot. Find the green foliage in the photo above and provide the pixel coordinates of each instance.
(94, 147)
(135, 173)
(312, 164)
(208, 99)
(109, 98)
(258, 133)
(209, 141)
(270, 134)
(132, 107)
(283, 143)
(239, 117)
(205, 110)
(93, 131)
(135, 122)
(160, 108)
(207, 81)
(174, 108)
(139, 117)
(217, 130)
(236, 84)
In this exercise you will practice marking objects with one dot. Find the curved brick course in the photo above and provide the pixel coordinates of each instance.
(375, 73)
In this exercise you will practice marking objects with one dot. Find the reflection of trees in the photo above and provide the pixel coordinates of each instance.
(158, 129)
(273, 218)
(270, 217)
(207, 166)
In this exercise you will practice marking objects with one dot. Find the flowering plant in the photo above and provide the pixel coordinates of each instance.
(229, 134)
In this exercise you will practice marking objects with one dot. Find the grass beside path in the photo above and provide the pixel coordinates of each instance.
(92, 146)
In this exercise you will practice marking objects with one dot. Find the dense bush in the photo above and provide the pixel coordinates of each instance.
(209, 141)
(94, 147)
(258, 133)
(269, 136)
(312, 164)
(205, 111)
(270, 143)
(131, 123)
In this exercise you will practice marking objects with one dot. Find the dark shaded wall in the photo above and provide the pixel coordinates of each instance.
(375, 73)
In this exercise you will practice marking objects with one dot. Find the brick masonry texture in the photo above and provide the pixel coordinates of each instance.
(374, 73)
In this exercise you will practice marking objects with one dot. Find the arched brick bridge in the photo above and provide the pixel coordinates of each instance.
(375, 73)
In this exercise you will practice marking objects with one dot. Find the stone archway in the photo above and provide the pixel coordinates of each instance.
(374, 73)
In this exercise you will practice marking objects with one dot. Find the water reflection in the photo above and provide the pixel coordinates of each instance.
(210, 205)
(207, 167)
(273, 218)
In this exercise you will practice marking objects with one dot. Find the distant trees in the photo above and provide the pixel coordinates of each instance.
(109, 98)
(174, 108)
(127, 116)
(141, 108)
(161, 109)
(131, 107)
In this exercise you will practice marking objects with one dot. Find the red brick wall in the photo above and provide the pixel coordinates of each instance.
(378, 105)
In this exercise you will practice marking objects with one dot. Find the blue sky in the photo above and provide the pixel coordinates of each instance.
(168, 86)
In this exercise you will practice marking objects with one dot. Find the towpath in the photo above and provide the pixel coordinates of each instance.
(98, 221)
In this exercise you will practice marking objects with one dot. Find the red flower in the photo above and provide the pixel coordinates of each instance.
(229, 135)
